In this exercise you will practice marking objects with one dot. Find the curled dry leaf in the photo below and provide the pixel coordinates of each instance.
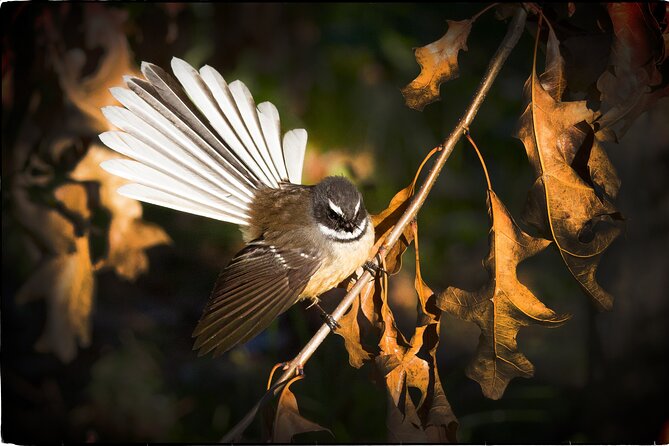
(349, 329)
(64, 275)
(371, 335)
(638, 67)
(287, 421)
(129, 235)
(385, 221)
(502, 306)
(414, 365)
(566, 203)
(362, 320)
(439, 63)
(401, 364)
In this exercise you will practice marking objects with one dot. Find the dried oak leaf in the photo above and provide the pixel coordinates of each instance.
(385, 221)
(638, 73)
(354, 335)
(565, 202)
(350, 330)
(430, 419)
(287, 421)
(64, 277)
(439, 63)
(370, 333)
(502, 306)
(129, 235)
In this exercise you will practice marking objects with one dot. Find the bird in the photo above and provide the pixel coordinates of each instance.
(196, 144)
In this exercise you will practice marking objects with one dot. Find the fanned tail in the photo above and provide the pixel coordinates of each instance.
(197, 144)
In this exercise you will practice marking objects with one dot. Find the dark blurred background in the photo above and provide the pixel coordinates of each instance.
(335, 70)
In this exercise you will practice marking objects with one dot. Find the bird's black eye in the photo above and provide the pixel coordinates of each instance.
(332, 214)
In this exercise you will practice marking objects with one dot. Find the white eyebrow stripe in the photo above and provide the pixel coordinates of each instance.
(335, 208)
(357, 207)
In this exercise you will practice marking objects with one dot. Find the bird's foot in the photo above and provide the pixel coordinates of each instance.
(327, 317)
(330, 321)
(374, 269)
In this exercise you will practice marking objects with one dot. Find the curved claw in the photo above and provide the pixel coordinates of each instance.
(331, 322)
(374, 269)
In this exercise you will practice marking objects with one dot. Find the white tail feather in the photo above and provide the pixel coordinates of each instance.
(247, 110)
(271, 128)
(131, 147)
(201, 97)
(160, 198)
(294, 146)
(201, 147)
(139, 173)
(179, 148)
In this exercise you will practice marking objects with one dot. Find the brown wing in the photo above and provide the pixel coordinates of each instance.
(258, 284)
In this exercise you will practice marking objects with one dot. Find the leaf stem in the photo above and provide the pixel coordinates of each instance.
(478, 152)
(483, 11)
(508, 43)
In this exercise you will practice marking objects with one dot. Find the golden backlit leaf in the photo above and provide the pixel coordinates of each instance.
(287, 421)
(439, 63)
(502, 306)
(103, 28)
(566, 203)
(430, 418)
(385, 221)
(637, 75)
(129, 235)
(371, 335)
(349, 329)
(369, 313)
(64, 276)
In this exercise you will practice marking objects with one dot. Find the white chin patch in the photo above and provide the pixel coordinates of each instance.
(342, 235)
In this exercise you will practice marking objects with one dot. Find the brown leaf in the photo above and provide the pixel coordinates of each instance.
(103, 28)
(401, 364)
(413, 365)
(564, 203)
(502, 306)
(637, 75)
(288, 422)
(385, 221)
(439, 422)
(64, 277)
(369, 313)
(129, 235)
(439, 63)
(350, 330)
(585, 41)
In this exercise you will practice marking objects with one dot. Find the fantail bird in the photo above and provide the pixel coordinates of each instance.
(202, 146)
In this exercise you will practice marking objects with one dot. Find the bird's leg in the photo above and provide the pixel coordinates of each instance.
(374, 269)
(329, 320)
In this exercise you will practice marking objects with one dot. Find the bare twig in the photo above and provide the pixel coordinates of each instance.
(513, 34)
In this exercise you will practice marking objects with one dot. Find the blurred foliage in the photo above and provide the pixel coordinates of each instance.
(337, 70)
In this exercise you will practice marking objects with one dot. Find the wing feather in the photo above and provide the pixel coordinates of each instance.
(260, 283)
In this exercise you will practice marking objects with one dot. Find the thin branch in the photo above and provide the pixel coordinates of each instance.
(508, 43)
